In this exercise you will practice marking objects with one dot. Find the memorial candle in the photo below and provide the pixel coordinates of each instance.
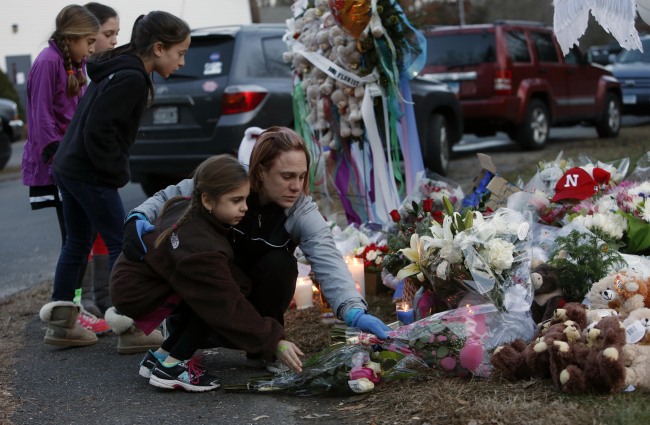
(355, 265)
(304, 295)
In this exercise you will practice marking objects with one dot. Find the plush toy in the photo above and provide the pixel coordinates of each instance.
(574, 312)
(638, 326)
(595, 314)
(601, 368)
(548, 294)
(520, 361)
(637, 360)
(624, 292)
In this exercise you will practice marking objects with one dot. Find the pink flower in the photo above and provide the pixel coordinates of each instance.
(471, 355)
(448, 363)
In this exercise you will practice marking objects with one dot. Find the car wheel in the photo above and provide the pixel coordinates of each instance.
(533, 133)
(5, 149)
(610, 122)
(436, 149)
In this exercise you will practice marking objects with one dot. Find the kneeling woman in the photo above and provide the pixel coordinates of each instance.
(188, 271)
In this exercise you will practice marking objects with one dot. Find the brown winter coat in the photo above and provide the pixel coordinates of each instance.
(196, 263)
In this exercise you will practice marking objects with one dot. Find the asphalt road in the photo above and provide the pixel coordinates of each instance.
(30, 241)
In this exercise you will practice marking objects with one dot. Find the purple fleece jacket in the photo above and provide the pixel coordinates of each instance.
(49, 111)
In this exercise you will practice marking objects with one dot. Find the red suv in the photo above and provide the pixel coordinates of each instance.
(512, 77)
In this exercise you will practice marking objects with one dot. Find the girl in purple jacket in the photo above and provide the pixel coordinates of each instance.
(54, 86)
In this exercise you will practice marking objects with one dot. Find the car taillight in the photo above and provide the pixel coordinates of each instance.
(238, 101)
(503, 81)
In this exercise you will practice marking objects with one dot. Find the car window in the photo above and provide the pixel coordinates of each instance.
(517, 46)
(461, 49)
(631, 56)
(274, 66)
(545, 48)
(207, 57)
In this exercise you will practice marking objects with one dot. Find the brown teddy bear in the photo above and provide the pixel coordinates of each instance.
(519, 360)
(601, 368)
(548, 293)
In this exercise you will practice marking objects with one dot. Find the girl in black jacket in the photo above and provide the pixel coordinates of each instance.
(91, 163)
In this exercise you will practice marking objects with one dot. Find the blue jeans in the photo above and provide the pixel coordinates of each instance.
(87, 209)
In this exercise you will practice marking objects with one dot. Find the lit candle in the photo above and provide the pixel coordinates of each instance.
(355, 265)
(404, 312)
(304, 295)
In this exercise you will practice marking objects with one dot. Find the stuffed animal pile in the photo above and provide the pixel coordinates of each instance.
(600, 348)
(578, 357)
(316, 31)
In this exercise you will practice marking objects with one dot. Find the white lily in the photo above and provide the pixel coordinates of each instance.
(414, 256)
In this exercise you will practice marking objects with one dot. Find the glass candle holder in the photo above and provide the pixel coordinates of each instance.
(404, 312)
(304, 295)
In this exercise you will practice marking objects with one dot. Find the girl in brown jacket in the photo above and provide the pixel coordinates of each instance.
(188, 270)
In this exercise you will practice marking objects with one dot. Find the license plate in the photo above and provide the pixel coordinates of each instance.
(454, 86)
(165, 115)
(629, 99)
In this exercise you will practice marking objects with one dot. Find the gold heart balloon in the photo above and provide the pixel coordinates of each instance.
(352, 16)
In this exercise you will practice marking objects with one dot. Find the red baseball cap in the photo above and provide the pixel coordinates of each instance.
(576, 183)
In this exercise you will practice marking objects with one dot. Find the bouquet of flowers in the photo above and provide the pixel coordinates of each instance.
(372, 255)
(600, 216)
(486, 256)
(337, 370)
(632, 198)
(456, 341)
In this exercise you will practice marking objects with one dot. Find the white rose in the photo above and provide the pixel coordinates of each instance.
(372, 255)
(498, 254)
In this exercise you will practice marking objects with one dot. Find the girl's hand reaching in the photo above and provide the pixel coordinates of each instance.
(287, 352)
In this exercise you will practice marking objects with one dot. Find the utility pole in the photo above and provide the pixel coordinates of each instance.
(461, 12)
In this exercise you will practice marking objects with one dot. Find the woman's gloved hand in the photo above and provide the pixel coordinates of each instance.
(287, 352)
(133, 246)
(357, 318)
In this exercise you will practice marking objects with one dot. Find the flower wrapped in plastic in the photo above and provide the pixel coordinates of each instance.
(456, 341)
(485, 256)
(632, 199)
(340, 369)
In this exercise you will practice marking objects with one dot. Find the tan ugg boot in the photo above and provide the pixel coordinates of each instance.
(131, 339)
(62, 327)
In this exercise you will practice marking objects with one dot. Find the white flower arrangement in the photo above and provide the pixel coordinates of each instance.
(484, 255)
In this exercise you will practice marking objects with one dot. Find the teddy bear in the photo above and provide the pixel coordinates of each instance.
(624, 292)
(600, 368)
(638, 326)
(573, 311)
(637, 372)
(519, 360)
(548, 293)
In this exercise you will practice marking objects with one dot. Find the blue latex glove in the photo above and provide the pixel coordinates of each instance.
(357, 318)
(135, 227)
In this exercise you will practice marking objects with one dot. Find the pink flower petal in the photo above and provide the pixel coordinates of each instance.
(448, 363)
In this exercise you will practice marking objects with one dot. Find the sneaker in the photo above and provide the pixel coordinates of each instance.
(189, 376)
(91, 322)
(147, 364)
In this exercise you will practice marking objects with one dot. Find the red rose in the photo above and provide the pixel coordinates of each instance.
(427, 205)
(395, 216)
(437, 216)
